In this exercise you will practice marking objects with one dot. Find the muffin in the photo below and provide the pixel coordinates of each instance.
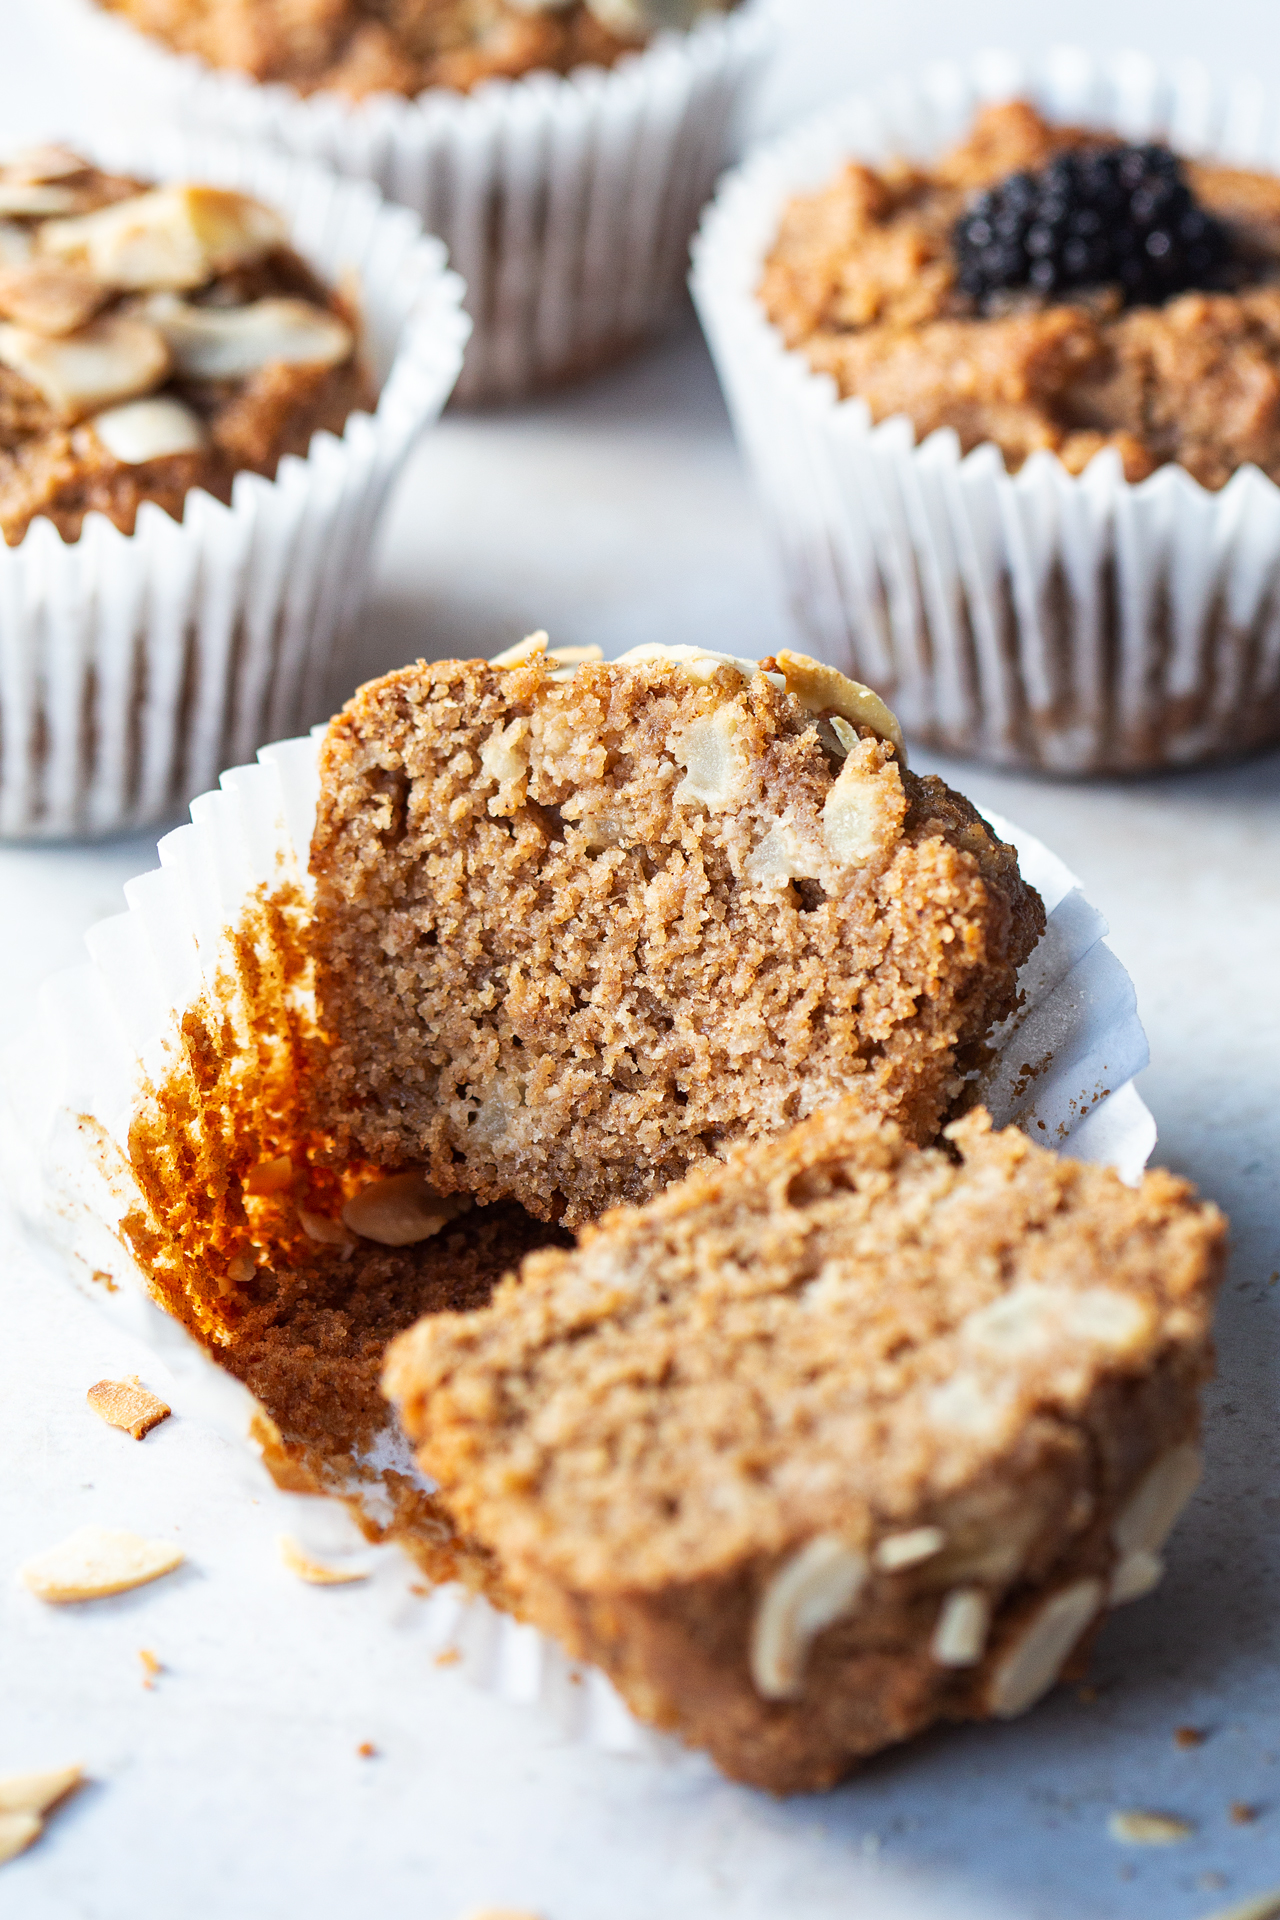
(154, 339)
(212, 364)
(1030, 377)
(166, 1136)
(563, 152)
(572, 935)
(836, 1439)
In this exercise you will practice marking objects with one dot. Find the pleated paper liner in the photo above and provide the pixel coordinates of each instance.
(225, 912)
(566, 203)
(133, 667)
(1075, 624)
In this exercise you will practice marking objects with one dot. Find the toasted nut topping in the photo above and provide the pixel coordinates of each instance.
(818, 1585)
(128, 1405)
(960, 1637)
(316, 1572)
(1152, 1511)
(1032, 1664)
(17, 1831)
(523, 652)
(821, 689)
(150, 430)
(863, 811)
(401, 1211)
(15, 244)
(48, 298)
(37, 1792)
(1138, 1829)
(43, 163)
(171, 238)
(908, 1549)
(1137, 1574)
(95, 1562)
(227, 343)
(29, 200)
(111, 359)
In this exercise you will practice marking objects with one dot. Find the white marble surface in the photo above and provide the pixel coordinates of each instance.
(619, 513)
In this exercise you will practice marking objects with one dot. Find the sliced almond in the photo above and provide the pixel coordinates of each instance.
(15, 244)
(37, 1792)
(1031, 1665)
(325, 1231)
(128, 1405)
(227, 343)
(401, 1210)
(523, 651)
(17, 1831)
(1137, 1574)
(270, 1176)
(819, 1585)
(111, 359)
(964, 1621)
(29, 200)
(1139, 1829)
(822, 689)
(44, 163)
(95, 1562)
(48, 298)
(317, 1573)
(172, 238)
(1153, 1508)
(151, 429)
(898, 1550)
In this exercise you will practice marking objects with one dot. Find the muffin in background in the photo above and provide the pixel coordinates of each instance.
(563, 152)
(1003, 354)
(207, 386)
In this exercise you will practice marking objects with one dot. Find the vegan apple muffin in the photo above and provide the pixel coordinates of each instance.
(579, 925)
(153, 339)
(358, 47)
(834, 1439)
(1047, 288)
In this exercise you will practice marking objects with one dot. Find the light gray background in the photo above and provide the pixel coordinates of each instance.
(618, 513)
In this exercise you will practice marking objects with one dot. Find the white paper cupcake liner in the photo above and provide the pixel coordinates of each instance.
(566, 204)
(108, 1031)
(133, 667)
(1077, 624)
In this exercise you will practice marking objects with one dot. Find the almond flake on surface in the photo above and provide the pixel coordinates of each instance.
(95, 1562)
(173, 237)
(317, 1573)
(37, 1792)
(1137, 1828)
(17, 1831)
(129, 1405)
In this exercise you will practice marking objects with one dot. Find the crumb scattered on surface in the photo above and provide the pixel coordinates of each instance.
(151, 1667)
(1242, 1814)
(449, 1658)
(1136, 1828)
(1189, 1736)
(317, 1573)
(95, 1562)
(129, 1405)
(367, 1750)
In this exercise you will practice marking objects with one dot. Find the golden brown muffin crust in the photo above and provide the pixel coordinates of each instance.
(862, 281)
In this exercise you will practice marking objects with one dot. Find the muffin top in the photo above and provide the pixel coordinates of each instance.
(1047, 288)
(358, 47)
(153, 339)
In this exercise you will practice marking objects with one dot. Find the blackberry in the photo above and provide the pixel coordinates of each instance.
(1121, 216)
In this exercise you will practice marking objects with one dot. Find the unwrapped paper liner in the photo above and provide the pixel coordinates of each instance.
(1077, 624)
(566, 203)
(133, 667)
(108, 1030)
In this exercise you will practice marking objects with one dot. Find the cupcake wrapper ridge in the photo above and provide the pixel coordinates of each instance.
(566, 204)
(108, 1031)
(1072, 624)
(134, 666)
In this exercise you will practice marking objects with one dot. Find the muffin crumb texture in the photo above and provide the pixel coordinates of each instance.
(868, 279)
(574, 935)
(835, 1439)
(360, 47)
